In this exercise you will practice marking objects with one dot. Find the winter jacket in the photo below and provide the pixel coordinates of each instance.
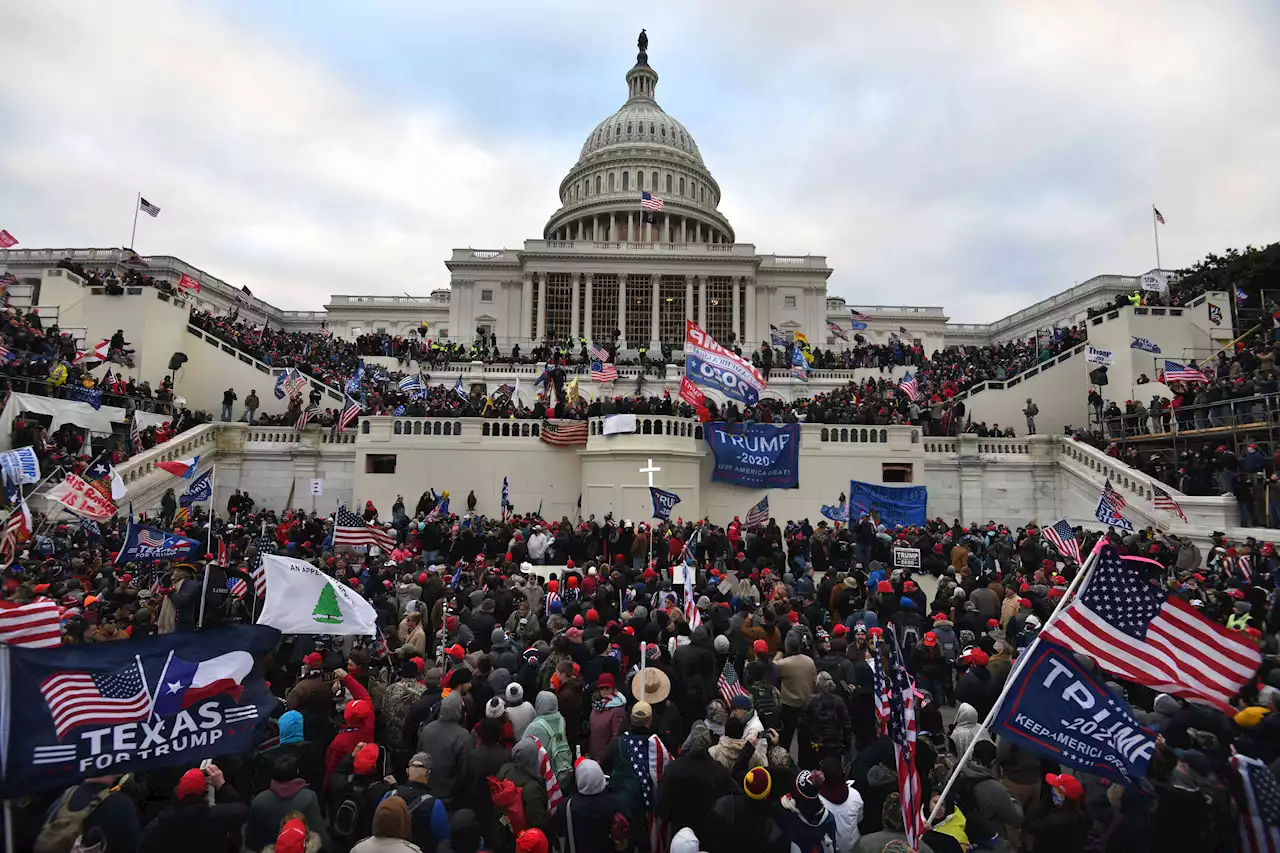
(996, 806)
(824, 722)
(196, 828)
(448, 743)
(268, 810)
(608, 718)
(726, 752)
(520, 716)
(548, 728)
(967, 727)
(807, 832)
(689, 790)
(344, 742)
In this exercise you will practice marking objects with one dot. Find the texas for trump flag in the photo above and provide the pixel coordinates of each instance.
(168, 700)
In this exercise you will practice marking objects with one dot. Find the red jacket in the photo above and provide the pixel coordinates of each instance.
(344, 743)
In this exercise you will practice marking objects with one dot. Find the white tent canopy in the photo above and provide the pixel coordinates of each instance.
(68, 411)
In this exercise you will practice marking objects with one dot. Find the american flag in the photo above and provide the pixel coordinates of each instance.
(506, 389)
(147, 207)
(1165, 501)
(758, 515)
(37, 624)
(1133, 630)
(649, 201)
(350, 529)
(5, 353)
(1110, 502)
(900, 697)
(603, 372)
(834, 328)
(597, 352)
(18, 525)
(135, 434)
(305, 416)
(1064, 539)
(265, 545)
(729, 684)
(649, 760)
(563, 433)
(691, 613)
(1175, 372)
(80, 698)
(1259, 822)
(554, 795)
(349, 414)
(151, 539)
(244, 296)
(237, 586)
(859, 316)
(910, 387)
(1159, 215)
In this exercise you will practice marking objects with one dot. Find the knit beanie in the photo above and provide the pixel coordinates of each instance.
(495, 708)
(757, 783)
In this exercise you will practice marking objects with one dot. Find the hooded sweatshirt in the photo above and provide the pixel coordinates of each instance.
(390, 830)
(290, 728)
(448, 743)
(358, 715)
(967, 727)
(548, 728)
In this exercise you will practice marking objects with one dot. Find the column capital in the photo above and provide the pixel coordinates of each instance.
(655, 278)
(526, 278)
(690, 278)
(588, 277)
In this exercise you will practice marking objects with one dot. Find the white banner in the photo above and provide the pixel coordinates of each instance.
(618, 424)
(82, 499)
(1157, 282)
(301, 599)
(1093, 355)
(20, 466)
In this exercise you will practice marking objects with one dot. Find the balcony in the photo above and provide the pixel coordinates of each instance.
(613, 247)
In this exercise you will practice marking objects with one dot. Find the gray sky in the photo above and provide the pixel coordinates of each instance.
(977, 155)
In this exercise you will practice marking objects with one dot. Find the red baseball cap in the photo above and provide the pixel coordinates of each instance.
(192, 784)
(760, 647)
(930, 639)
(884, 586)
(1067, 785)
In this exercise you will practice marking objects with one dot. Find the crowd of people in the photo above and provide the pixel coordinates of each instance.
(508, 711)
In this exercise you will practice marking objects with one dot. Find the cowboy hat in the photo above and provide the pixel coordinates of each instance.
(650, 685)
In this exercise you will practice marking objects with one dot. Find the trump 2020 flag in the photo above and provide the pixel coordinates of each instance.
(112, 708)
(663, 502)
(301, 599)
(201, 489)
(144, 544)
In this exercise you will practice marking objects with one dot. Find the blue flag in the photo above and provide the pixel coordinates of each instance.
(836, 513)
(279, 391)
(144, 544)
(201, 489)
(663, 502)
(80, 394)
(353, 384)
(172, 699)
(459, 390)
(1144, 344)
(1062, 712)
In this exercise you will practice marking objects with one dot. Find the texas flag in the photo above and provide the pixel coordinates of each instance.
(184, 683)
(184, 468)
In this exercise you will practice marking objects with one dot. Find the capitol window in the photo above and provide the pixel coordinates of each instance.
(626, 181)
(654, 184)
(639, 180)
(628, 128)
(486, 296)
(682, 186)
(664, 131)
(668, 185)
(703, 195)
(597, 185)
(651, 131)
(611, 182)
(788, 302)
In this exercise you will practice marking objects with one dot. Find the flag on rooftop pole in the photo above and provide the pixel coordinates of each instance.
(649, 201)
(148, 208)
(1159, 216)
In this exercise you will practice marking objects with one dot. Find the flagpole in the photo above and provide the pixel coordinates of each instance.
(204, 584)
(1155, 232)
(1089, 563)
(134, 233)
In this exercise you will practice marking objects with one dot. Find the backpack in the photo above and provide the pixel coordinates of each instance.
(62, 831)
(964, 796)
(345, 824)
(909, 637)
(765, 700)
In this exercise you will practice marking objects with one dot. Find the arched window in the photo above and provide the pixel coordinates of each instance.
(399, 427)
(484, 428)
(668, 185)
(626, 181)
(826, 436)
(655, 181)
(617, 131)
(664, 131)
(693, 189)
(364, 427)
(703, 195)
(597, 185)
(652, 132)
(611, 182)
(682, 186)
(597, 137)
(417, 428)
(639, 180)
(628, 128)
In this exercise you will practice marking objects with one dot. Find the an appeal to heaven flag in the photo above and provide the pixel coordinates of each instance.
(109, 708)
(301, 599)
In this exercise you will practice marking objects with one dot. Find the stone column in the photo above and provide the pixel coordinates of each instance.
(653, 323)
(541, 332)
(683, 230)
(586, 318)
(736, 325)
(575, 298)
(613, 227)
(622, 310)
(750, 333)
(688, 297)
(666, 228)
(702, 301)
(526, 307)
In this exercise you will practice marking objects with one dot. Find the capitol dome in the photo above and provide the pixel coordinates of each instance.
(638, 149)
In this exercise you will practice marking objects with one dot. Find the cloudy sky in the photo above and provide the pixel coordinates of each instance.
(975, 155)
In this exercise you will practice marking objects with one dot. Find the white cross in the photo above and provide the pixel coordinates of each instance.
(651, 470)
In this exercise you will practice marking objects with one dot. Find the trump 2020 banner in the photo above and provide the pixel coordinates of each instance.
(144, 544)
(760, 456)
(710, 365)
(895, 506)
(1059, 710)
(77, 711)
(663, 502)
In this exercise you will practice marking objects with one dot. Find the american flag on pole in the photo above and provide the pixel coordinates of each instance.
(1158, 214)
(1164, 500)
(554, 795)
(1110, 502)
(691, 613)
(649, 201)
(1175, 372)
(80, 698)
(859, 316)
(265, 545)
(1259, 821)
(598, 353)
(244, 295)
(305, 416)
(910, 387)
(834, 328)
(506, 389)
(758, 515)
(900, 699)
(35, 625)
(148, 208)
(729, 684)
(349, 414)
(1064, 539)
(1133, 630)
(603, 372)
(350, 529)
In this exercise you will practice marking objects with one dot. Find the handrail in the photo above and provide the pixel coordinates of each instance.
(1034, 370)
(145, 404)
(232, 349)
